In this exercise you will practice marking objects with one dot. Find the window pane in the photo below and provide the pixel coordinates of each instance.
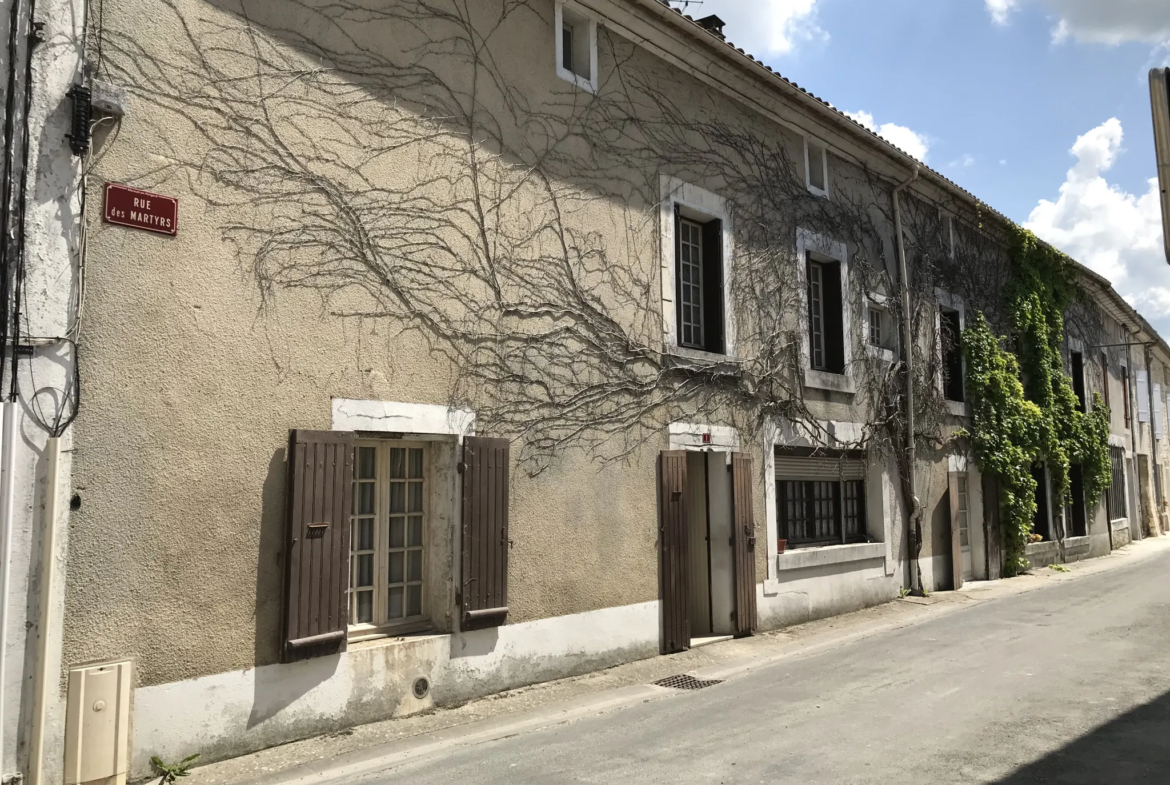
(365, 607)
(416, 526)
(396, 571)
(397, 463)
(365, 534)
(414, 600)
(365, 463)
(397, 532)
(416, 464)
(397, 497)
(365, 570)
(365, 505)
(416, 497)
(567, 48)
(414, 566)
(394, 604)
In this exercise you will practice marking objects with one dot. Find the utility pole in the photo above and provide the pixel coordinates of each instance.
(1160, 103)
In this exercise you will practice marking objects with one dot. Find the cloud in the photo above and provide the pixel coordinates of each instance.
(965, 162)
(914, 143)
(1000, 9)
(1111, 231)
(767, 27)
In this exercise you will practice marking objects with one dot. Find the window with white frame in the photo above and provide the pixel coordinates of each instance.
(826, 341)
(816, 167)
(963, 506)
(387, 535)
(951, 337)
(699, 274)
(876, 325)
(576, 46)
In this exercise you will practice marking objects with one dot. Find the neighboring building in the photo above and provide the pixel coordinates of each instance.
(492, 347)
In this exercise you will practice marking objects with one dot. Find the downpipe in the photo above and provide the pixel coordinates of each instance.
(914, 523)
(1159, 502)
(46, 593)
(7, 493)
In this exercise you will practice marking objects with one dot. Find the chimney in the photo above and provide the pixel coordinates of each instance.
(713, 25)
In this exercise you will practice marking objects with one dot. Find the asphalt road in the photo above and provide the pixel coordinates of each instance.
(1067, 684)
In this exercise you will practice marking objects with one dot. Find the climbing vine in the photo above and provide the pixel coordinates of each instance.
(1024, 407)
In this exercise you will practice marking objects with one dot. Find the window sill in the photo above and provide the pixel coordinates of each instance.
(1119, 523)
(368, 633)
(691, 358)
(1045, 548)
(958, 408)
(803, 558)
(878, 353)
(585, 84)
(812, 189)
(823, 380)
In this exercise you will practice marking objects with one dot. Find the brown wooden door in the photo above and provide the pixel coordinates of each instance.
(672, 552)
(484, 591)
(320, 497)
(991, 527)
(743, 527)
(956, 541)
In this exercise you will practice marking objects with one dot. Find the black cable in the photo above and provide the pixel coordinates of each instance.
(9, 175)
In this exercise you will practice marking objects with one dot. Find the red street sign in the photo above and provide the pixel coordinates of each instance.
(128, 206)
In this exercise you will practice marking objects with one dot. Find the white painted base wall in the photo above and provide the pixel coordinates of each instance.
(826, 589)
(234, 713)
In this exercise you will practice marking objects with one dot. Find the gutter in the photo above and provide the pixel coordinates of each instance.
(1158, 502)
(914, 519)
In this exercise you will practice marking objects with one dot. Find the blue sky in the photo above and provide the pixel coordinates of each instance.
(1039, 107)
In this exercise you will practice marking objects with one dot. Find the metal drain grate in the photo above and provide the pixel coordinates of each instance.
(685, 682)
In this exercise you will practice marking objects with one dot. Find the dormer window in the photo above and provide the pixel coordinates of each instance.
(576, 45)
(816, 167)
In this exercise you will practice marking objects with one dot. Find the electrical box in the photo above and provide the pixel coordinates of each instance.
(97, 724)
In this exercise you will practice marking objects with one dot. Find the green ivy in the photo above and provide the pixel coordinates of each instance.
(1019, 418)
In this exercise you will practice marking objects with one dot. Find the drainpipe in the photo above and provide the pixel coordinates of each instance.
(914, 522)
(1135, 422)
(46, 592)
(1156, 524)
(7, 491)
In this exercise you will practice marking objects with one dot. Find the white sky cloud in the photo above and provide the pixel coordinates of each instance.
(766, 27)
(1098, 21)
(918, 145)
(966, 161)
(1115, 233)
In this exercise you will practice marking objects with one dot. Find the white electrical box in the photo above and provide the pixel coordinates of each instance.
(97, 724)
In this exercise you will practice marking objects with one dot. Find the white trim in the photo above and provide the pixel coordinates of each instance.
(710, 205)
(809, 241)
(233, 713)
(822, 192)
(803, 558)
(394, 417)
(689, 436)
(876, 301)
(589, 84)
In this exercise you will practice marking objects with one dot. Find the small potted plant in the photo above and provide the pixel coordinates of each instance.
(781, 544)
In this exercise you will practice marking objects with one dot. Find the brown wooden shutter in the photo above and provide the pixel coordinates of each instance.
(713, 338)
(956, 543)
(744, 543)
(484, 595)
(672, 551)
(320, 496)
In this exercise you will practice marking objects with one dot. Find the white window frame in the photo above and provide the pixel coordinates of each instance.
(577, 15)
(876, 301)
(824, 148)
(810, 242)
(951, 302)
(697, 204)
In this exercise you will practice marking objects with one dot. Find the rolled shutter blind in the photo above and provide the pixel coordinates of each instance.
(819, 467)
(320, 497)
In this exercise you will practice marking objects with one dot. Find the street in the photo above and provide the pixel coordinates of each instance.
(1067, 684)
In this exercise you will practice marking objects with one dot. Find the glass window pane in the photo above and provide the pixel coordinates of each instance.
(365, 570)
(416, 463)
(414, 566)
(397, 463)
(396, 567)
(397, 497)
(365, 607)
(365, 505)
(365, 538)
(397, 532)
(416, 497)
(394, 604)
(415, 539)
(365, 463)
(414, 600)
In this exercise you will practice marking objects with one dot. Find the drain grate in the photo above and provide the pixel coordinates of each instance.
(685, 682)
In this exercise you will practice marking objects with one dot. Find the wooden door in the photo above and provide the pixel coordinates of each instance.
(743, 528)
(672, 551)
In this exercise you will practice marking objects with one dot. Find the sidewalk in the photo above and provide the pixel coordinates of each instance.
(344, 756)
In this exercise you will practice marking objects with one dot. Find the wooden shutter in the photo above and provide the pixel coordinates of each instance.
(713, 338)
(744, 544)
(956, 542)
(320, 497)
(672, 551)
(484, 594)
(991, 526)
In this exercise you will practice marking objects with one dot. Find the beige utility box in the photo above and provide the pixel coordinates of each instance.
(97, 724)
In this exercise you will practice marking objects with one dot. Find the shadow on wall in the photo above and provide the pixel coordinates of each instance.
(270, 563)
(1130, 749)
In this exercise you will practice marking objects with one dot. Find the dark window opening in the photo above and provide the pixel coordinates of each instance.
(1125, 395)
(1040, 518)
(1078, 379)
(699, 289)
(952, 345)
(821, 512)
(816, 167)
(826, 332)
(1074, 511)
(1115, 496)
(1105, 378)
(567, 47)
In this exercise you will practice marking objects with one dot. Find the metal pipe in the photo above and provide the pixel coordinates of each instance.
(908, 352)
(44, 604)
(7, 491)
(1158, 500)
(1133, 425)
